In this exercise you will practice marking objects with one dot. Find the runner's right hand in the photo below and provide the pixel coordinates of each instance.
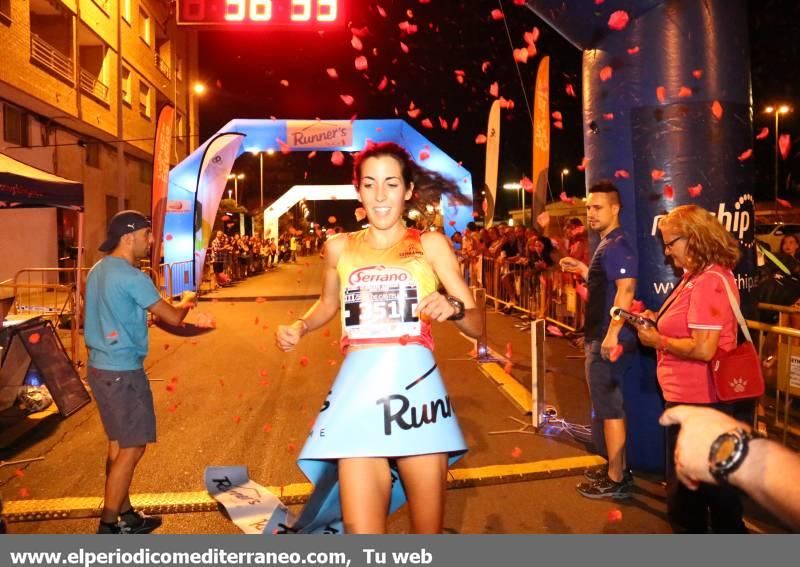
(287, 336)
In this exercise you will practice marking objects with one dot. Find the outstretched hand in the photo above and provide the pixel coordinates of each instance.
(287, 336)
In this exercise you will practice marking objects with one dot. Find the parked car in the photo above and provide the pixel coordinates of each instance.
(772, 233)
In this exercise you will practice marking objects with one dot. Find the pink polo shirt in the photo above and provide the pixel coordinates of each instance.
(701, 304)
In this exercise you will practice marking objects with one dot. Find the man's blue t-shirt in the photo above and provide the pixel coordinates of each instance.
(115, 330)
(614, 259)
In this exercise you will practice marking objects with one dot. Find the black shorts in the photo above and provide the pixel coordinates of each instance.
(125, 403)
(606, 380)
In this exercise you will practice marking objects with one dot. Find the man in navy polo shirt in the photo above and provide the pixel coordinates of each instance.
(611, 278)
(118, 296)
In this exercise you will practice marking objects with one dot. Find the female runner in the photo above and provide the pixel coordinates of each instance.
(387, 431)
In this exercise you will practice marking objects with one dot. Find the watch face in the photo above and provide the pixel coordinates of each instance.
(726, 449)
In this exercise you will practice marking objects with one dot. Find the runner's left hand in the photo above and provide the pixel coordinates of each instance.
(435, 307)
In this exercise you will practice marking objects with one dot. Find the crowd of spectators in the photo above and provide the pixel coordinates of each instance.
(236, 257)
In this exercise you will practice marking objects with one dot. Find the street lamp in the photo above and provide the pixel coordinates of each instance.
(564, 172)
(517, 187)
(236, 177)
(777, 111)
(261, 170)
(199, 89)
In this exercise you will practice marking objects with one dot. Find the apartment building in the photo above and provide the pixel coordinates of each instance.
(81, 83)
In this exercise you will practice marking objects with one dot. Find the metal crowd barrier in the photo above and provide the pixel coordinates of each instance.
(787, 356)
(541, 294)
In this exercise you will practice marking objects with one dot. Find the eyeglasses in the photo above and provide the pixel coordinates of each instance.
(671, 243)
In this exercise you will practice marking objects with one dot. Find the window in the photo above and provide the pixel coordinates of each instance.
(5, 11)
(15, 125)
(145, 107)
(144, 26)
(180, 125)
(126, 10)
(93, 154)
(145, 172)
(126, 85)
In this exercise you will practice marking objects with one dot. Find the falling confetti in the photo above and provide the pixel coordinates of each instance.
(494, 89)
(384, 82)
(337, 158)
(763, 134)
(558, 125)
(583, 164)
(717, 110)
(661, 94)
(497, 14)
(784, 203)
(784, 143)
(606, 73)
(24, 492)
(543, 219)
(361, 63)
(615, 515)
(424, 154)
(426, 123)
(480, 139)
(284, 83)
(267, 427)
(697, 73)
(347, 99)
(669, 192)
(332, 73)
(684, 92)
(303, 361)
(745, 155)
(633, 50)
(695, 190)
(521, 55)
(509, 350)
(570, 90)
(621, 174)
(356, 43)
(526, 183)
(657, 175)
(608, 116)
(34, 338)
(19, 473)
(618, 20)
(507, 367)
(516, 453)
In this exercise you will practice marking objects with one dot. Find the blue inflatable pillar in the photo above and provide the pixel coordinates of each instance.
(666, 114)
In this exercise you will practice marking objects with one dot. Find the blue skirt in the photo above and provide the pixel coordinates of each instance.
(385, 402)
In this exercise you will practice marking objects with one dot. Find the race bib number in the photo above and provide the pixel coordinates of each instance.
(381, 302)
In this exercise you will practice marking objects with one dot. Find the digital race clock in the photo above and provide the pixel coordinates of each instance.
(318, 14)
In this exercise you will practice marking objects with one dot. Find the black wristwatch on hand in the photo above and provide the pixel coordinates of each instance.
(458, 305)
(728, 452)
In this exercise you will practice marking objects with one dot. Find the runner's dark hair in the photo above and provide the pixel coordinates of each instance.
(429, 186)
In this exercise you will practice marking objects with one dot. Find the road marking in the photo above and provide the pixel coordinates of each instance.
(515, 391)
(290, 494)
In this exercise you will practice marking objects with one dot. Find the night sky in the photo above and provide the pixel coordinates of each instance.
(244, 72)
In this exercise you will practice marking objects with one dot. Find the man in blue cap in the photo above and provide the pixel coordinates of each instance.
(118, 297)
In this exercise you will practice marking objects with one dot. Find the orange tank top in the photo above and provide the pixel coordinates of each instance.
(380, 290)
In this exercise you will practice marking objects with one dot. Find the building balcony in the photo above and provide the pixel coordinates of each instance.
(52, 60)
(163, 66)
(93, 86)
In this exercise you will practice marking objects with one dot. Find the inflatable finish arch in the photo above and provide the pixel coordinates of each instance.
(675, 111)
(197, 183)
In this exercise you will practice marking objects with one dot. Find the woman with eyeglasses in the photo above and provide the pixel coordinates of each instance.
(693, 322)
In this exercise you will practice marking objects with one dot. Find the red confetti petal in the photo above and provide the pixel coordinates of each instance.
(423, 155)
(784, 203)
(426, 123)
(237, 419)
(621, 174)
(167, 237)
(570, 90)
(684, 92)
(717, 110)
(516, 453)
(785, 145)
(669, 192)
(697, 73)
(284, 83)
(170, 387)
(303, 361)
(403, 47)
(361, 63)
(267, 427)
(24, 492)
(480, 139)
(633, 50)
(657, 175)
(606, 73)
(497, 14)
(745, 155)
(452, 223)
(608, 116)
(763, 134)
(521, 55)
(34, 338)
(484, 66)
(583, 164)
(558, 125)
(695, 190)
(507, 367)
(356, 43)
(618, 20)
(615, 515)
(414, 112)
(332, 73)
(661, 94)
(526, 183)
(494, 89)
(383, 83)
(442, 123)
(337, 158)
(347, 99)
(509, 350)
(557, 115)
(19, 473)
